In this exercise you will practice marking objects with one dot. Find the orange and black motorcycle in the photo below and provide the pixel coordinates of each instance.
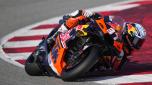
(75, 52)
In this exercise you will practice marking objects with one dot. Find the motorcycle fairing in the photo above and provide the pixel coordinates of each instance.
(59, 49)
(57, 57)
(102, 25)
(64, 37)
(81, 30)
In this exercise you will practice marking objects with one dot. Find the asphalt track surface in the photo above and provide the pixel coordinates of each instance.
(15, 14)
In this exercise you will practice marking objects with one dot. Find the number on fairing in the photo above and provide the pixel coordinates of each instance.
(110, 31)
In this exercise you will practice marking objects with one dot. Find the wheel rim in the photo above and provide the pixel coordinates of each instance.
(74, 60)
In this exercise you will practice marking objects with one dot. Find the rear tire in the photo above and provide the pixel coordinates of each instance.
(33, 69)
(84, 66)
(32, 66)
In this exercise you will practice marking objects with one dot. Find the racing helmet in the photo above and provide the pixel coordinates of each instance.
(71, 22)
(134, 35)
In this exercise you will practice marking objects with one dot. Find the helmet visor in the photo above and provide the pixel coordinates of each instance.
(138, 42)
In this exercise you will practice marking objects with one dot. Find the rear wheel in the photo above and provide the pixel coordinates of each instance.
(33, 69)
(32, 66)
(86, 61)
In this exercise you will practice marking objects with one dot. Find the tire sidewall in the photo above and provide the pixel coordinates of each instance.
(84, 66)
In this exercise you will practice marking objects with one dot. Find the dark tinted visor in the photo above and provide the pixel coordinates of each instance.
(137, 42)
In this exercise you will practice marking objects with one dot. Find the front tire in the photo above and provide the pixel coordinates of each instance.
(84, 66)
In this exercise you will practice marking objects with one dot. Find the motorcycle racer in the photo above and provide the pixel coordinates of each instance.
(132, 37)
(133, 34)
(85, 41)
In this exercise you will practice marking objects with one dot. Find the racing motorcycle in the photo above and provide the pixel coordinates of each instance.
(75, 52)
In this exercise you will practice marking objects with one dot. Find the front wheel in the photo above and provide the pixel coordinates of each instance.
(87, 60)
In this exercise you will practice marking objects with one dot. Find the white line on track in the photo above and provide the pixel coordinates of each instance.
(17, 44)
(27, 28)
(18, 56)
(124, 79)
(115, 8)
(35, 32)
(26, 54)
(5, 57)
